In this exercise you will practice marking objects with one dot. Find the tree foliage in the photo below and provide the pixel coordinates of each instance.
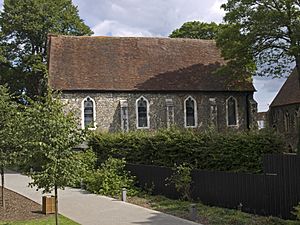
(196, 30)
(25, 25)
(9, 133)
(50, 135)
(261, 37)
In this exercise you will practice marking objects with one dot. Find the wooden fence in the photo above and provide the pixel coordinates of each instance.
(274, 193)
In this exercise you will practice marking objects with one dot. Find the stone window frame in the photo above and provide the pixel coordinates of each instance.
(137, 113)
(170, 114)
(236, 112)
(124, 118)
(94, 113)
(195, 112)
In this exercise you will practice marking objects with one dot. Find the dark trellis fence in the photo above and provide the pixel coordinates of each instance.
(274, 193)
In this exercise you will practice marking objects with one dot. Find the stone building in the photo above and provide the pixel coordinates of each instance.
(130, 83)
(262, 120)
(284, 112)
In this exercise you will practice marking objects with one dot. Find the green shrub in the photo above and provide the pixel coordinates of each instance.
(182, 180)
(87, 159)
(110, 178)
(296, 211)
(232, 151)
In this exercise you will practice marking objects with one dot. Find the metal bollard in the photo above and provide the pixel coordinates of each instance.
(81, 184)
(124, 193)
(240, 207)
(193, 212)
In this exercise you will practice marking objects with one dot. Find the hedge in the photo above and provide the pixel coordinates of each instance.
(234, 151)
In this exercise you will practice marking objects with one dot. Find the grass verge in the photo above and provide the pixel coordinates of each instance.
(45, 221)
(206, 215)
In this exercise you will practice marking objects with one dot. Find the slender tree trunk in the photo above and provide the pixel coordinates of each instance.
(2, 187)
(56, 204)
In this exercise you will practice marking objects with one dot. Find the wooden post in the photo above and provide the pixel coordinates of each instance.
(56, 204)
(2, 187)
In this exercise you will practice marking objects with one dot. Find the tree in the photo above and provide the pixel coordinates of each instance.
(261, 37)
(24, 27)
(8, 134)
(50, 135)
(196, 30)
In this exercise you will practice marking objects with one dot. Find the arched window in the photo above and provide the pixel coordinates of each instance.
(287, 121)
(231, 111)
(297, 119)
(88, 113)
(190, 112)
(275, 116)
(142, 113)
(295, 124)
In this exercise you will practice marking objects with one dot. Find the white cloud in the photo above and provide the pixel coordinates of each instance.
(110, 27)
(143, 17)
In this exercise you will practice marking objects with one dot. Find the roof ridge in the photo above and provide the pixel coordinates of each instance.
(127, 37)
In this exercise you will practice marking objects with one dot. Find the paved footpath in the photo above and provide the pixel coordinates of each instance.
(90, 209)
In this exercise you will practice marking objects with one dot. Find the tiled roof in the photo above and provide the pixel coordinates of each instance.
(137, 64)
(289, 93)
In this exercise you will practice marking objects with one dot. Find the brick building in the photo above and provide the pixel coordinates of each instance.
(130, 83)
(284, 112)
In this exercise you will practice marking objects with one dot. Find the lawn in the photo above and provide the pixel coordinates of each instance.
(45, 221)
(206, 215)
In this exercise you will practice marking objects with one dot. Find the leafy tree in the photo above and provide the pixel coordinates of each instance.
(8, 133)
(196, 30)
(50, 136)
(24, 27)
(261, 37)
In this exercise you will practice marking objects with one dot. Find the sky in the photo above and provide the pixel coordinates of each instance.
(158, 18)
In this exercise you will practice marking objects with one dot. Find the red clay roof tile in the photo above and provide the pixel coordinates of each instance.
(137, 64)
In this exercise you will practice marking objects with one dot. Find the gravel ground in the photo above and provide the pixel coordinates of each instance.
(18, 207)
